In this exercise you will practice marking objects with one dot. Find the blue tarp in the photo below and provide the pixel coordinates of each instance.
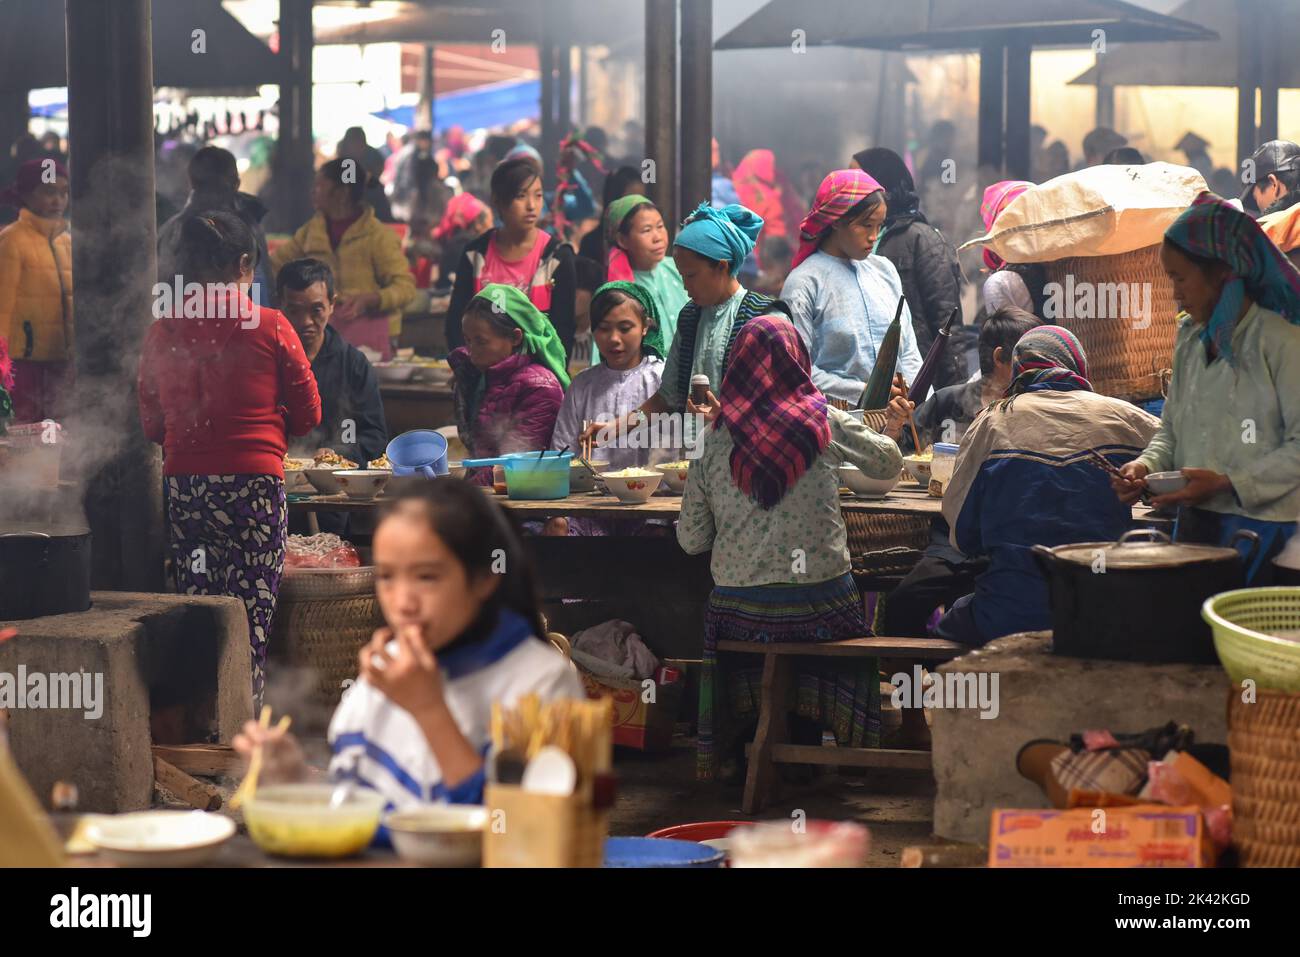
(479, 108)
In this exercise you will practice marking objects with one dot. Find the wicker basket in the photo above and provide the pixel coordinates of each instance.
(323, 617)
(1123, 361)
(1264, 741)
(870, 532)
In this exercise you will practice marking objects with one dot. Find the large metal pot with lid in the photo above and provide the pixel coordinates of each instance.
(45, 571)
(1138, 599)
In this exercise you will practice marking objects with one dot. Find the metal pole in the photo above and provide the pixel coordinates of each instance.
(550, 143)
(1247, 80)
(114, 267)
(295, 155)
(427, 93)
(992, 77)
(564, 83)
(661, 104)
(697, 104)
(1267, 38)
(1018, 160)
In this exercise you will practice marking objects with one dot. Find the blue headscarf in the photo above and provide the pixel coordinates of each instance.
(724, 235)
(1214, 230)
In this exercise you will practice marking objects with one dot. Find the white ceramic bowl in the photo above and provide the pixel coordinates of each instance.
(362, 484)
(919, 469)
(439, 835)
(674, 476)
(395, 371)
(633, 489)
(161, 838)
(323, 480)
(864, 485)
(435, 375)
(1166, 483)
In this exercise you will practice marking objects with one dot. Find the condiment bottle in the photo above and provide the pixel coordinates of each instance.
(700, 389)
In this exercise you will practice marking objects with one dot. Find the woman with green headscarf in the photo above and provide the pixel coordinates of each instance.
(1231, 422)
(638, 252)
(510, 376)
(626, 325)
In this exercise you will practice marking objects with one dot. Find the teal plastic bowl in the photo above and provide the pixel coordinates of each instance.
(535, 478)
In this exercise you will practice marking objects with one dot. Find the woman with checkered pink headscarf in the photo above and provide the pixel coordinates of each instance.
(843, 297)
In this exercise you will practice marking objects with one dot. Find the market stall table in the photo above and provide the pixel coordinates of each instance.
(643, 579)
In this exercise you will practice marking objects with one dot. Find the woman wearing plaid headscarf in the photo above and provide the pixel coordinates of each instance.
(764, 496)
(841, 297)
(1231, 422)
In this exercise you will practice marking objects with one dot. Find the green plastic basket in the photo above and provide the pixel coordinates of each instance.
(1246, 625)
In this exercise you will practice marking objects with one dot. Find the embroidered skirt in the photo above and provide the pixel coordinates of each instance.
(228, 537)
(844, 697)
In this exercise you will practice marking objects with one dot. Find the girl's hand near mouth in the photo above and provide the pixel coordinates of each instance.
(409, 677)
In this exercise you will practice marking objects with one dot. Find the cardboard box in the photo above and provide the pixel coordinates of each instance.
(1143, 835)
(646, 725)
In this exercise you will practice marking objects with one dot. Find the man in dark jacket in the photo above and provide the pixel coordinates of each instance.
(214, 185)
(926, 262)
(352, 412)
(1275, 183)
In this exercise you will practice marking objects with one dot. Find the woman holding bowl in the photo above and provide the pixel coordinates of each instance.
(1231, 423)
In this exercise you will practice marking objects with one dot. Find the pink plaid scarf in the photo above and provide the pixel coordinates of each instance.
(838, 193)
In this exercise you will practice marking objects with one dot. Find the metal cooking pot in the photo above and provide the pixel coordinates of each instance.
(1134, 600)
(43, 573)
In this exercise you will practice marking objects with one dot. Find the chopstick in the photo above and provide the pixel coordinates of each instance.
(1101, 462)
(915, 438)
(248, 787)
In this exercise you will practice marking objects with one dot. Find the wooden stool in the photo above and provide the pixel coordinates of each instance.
(771, 741)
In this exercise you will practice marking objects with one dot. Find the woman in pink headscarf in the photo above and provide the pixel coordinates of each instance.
(997, 198)
(841, 297)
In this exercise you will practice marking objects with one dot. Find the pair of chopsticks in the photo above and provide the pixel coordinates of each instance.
(1102, 463)
(248, 787)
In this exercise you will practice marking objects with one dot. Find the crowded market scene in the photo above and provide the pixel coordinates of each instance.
(650, 434)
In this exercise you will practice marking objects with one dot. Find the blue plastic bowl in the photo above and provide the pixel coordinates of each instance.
(660, 852)
(419, 451)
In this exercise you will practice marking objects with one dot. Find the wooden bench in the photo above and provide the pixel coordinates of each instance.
(771, 741)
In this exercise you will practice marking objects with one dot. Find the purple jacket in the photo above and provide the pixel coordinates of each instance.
(516, 412)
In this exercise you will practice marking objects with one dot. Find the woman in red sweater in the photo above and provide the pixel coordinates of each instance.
(221, 382)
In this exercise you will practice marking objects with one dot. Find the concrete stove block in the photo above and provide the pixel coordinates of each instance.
(170, 669)
(1041, 695)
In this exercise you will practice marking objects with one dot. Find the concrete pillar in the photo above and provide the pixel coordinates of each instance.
(294, 155)
(1019, 163)
(114, 267)
(991, 106)
(427, 111)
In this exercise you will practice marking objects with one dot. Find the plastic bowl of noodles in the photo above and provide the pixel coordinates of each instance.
(296, 820)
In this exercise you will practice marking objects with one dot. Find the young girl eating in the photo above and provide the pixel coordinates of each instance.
(625, 322)
(638, 247)
(459, 635)
(510, 376)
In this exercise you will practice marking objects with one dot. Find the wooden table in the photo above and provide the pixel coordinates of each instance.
(416, 405)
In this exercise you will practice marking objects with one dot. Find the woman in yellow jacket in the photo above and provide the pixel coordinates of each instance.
(374, 277)
(36, 291)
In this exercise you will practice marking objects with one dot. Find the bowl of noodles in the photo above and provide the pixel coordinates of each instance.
(632, 486)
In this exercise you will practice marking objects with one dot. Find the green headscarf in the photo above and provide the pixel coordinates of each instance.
(617, 211)
(654, 338)
(540, 339)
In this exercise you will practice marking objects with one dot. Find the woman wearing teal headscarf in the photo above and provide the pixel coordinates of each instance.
(709, 251)
(510, 376)
(1231, 422)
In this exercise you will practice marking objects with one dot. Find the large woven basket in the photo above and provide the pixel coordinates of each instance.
(1264, 741)
(870, 532)
(323, 617)
(1123, 361)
